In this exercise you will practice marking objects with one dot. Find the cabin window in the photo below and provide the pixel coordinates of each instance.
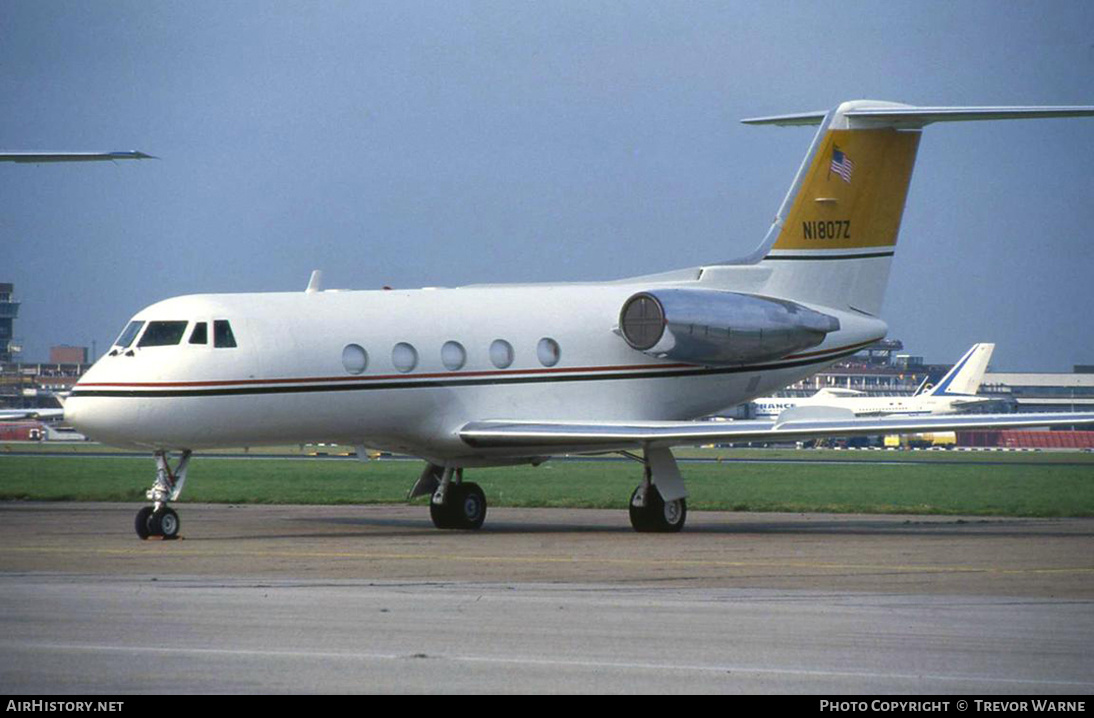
(404, 357)
(548, 351)
(354, 358)
(129, 334)
(501, 353)
(200, 335)
(162, 334)
(222, 335)
(453, 355)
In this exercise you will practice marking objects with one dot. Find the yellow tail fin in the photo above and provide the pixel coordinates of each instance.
(833, 238)
(852, 196)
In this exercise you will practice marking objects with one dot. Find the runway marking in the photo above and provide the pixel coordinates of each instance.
(576, 560)
(728, 669)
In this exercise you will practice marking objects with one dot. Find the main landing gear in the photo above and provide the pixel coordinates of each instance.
(455, 503)
(659, 504)
(159, 520)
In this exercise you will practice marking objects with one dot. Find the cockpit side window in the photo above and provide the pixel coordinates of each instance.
(128, 334)
(162, 334)
(222, 334)
(200, 335)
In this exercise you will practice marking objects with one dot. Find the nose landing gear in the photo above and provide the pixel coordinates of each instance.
(159, 520)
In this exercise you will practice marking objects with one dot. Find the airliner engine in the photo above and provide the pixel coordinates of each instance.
(709, 327)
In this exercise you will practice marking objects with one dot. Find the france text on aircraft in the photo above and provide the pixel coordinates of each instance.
(495, 375)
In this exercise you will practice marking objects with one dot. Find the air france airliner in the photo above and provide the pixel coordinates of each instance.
(512, 374)
(955, 393)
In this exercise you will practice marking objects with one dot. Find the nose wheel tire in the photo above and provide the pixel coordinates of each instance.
(464, 508)
(658, 515)
(162, 523)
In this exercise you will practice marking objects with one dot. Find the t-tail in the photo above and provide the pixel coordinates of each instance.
(965, 376)
(834, 237)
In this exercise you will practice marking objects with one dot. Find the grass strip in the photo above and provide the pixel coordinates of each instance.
(998, 489)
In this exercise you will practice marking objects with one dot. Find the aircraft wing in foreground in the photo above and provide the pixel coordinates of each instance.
(40, 157)
(792, 425)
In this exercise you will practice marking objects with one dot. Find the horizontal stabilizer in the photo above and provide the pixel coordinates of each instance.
(803, 118)
(909, 116)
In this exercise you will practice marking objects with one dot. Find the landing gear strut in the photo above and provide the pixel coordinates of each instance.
(650, 511)
(455, 503)
(160, 520)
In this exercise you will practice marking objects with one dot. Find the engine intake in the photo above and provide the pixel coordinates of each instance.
(709, 327)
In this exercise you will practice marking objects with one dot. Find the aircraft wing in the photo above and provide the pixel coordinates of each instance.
(37, 157)
(17, 414)
(792, 425)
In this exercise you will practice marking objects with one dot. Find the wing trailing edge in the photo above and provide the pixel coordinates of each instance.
(792, 425)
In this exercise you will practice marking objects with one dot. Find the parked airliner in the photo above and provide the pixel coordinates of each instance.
(956, 393)
(494, 375)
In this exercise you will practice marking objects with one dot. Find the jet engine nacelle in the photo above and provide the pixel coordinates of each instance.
(709, 327)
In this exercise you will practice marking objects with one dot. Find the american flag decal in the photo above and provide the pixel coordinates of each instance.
(841, 164)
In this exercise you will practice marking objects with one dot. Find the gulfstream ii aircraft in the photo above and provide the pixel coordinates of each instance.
(954, 394)
(494, 375)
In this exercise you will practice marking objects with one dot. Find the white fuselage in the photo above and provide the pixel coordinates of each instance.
(286, 382)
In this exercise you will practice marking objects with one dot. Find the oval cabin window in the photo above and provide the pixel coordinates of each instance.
(453, 356)
(354, 358)
(501, 353)
(548, 351)
(404, 357)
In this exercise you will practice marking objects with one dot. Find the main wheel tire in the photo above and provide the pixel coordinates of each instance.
(658, 516)
(639, 514)
(166, 522)
(442, 514)
(142, 522)
(464, 508)
(468, 506)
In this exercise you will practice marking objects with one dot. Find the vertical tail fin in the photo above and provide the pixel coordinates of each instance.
(966, 375)
(833, 240)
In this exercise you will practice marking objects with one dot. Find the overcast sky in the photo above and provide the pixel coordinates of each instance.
(445, 143)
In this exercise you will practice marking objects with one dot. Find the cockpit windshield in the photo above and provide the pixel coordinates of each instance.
(129, 334)
(162, 334)
(171, 333)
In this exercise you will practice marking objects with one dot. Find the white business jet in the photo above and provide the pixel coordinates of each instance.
(954, 394)
(495, 375)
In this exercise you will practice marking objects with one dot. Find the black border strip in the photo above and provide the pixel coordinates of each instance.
(442, 383)
(828, 257)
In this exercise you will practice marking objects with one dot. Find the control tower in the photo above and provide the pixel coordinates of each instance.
(9, 310)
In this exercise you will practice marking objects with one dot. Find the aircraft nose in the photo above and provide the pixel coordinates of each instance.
(98, 418)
